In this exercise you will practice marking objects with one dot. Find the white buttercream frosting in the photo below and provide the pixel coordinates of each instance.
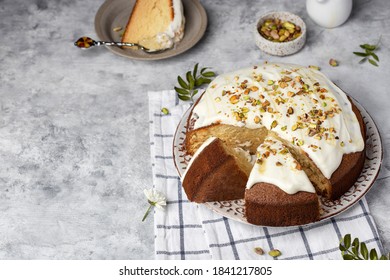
(275, 165)
(299, 103)
(175, 31)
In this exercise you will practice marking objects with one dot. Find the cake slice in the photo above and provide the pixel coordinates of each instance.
(216, 172)
(279, 193)
(155, 24)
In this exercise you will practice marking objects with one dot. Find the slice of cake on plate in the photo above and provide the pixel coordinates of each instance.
(155, 24)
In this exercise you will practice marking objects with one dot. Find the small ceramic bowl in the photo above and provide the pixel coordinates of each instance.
(280, 48)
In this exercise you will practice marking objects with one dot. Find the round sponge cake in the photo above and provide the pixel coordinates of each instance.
(298, 107)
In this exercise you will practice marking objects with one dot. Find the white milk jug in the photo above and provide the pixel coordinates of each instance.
(329, 13)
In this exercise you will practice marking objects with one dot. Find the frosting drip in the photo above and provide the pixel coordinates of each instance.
(175, 31)
(197, 153)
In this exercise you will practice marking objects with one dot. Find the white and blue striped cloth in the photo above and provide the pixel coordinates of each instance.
(188, 230)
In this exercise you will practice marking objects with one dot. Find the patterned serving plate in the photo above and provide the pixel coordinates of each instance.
(235, 209)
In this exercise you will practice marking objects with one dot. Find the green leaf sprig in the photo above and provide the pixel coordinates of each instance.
(369, 53)
(357, 250)
(188, 89)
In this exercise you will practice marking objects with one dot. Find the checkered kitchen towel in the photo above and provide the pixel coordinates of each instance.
(187, 230)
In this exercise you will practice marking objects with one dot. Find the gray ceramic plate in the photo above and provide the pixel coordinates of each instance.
(115, 13)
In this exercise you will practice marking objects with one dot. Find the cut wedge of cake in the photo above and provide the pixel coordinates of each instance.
(155, 24)
(216, 172)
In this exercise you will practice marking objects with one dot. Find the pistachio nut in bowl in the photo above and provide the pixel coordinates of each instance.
(280, 33)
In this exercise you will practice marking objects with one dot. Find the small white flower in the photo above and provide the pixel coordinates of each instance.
(155, 198)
